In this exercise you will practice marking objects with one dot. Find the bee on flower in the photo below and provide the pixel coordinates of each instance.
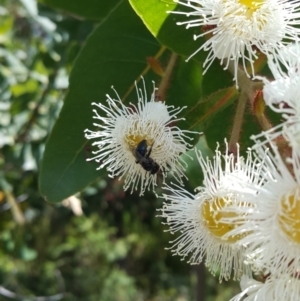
(238, 30)
(201, 218)
(139, 141)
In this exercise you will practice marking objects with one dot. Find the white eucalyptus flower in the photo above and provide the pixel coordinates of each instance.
(282, 94)
(138, 141)
(236, 29)
(282, 288)
(273, 217)
(200, 219)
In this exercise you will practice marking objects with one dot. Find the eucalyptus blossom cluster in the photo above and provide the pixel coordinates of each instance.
(243, 220)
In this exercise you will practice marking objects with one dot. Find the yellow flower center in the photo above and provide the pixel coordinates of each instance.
(138, 133)
(212, 212)
(289, 217)
(251, 5)
(134, 140)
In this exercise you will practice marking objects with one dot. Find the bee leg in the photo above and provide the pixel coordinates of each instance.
(149, 153)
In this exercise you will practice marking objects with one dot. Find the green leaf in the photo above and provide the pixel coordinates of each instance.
(220, 127)
(186, 83)
(162, 24)
(216, 78)
(193, 171)
(199, 116)
(89, 9)
(115, 54)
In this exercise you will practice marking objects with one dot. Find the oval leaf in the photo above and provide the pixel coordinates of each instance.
(114, 54)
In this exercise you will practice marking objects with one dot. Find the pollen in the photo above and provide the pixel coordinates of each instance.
(140, 130)
(252, 4)
(213, 212)
(289, 217)
(133, 140)
(251, 7)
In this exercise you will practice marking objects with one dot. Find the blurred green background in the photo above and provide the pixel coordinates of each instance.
(102, 244)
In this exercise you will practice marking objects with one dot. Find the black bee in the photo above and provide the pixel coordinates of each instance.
(143, 157)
